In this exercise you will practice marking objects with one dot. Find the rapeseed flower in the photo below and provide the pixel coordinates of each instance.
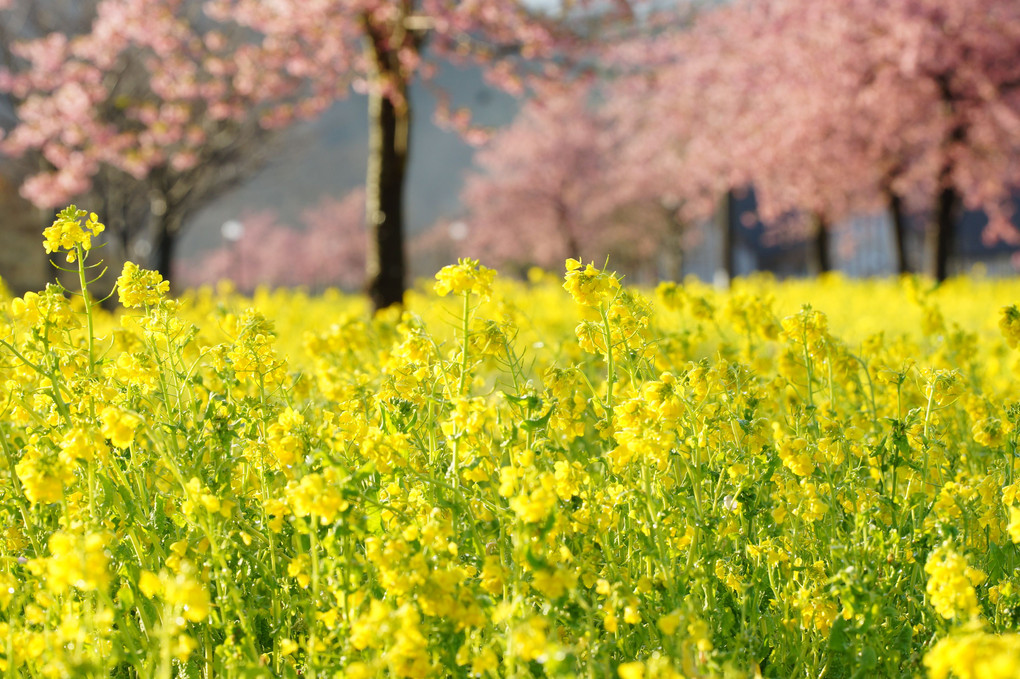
(67, 231)
(139, 288)
(685, 487)
(589, 286)
(951, 584)
(467, 276)
(974, 654)
(1009, 324)
(119, 425)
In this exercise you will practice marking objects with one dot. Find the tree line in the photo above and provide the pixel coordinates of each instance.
(641, 117)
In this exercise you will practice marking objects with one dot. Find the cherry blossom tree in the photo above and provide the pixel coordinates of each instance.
(539, 188)
(554, 184)
(665, 100)
(175, 94)
(380, 47)
(145, 108)
(833, 107)
(646, 168)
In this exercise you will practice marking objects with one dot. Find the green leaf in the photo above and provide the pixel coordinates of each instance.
(839, 641)
(536, 422)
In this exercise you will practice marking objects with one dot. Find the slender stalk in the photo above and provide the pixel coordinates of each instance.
(927, 410)
(465, 330)
(80, 258)
(313, 533)
(610, 363)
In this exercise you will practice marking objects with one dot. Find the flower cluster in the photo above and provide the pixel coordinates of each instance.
(951, 584)
(589, 286)
(467, 276)
(975, 654)
(1010, 325)
(137, 287)
(68, 233)
(707, 484)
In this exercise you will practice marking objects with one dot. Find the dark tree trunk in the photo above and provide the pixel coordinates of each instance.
(947, 204)
(899, 225)
(677, 272)
(384, 204)
(823, 259)
(389, 115)
(724, 221)
(565, 227)
(164, 244)
(943, 235)
(674, 246)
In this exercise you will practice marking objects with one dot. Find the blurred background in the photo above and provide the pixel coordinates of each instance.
(362, 144)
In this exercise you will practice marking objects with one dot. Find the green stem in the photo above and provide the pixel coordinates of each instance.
(314, 548)
(466, 319)
(1012, 456)
(927, 410)
(21, 499)
(810, 372)
(10, 347)
(55, 383)
(466, 331)
(277, 621)
(80, 258)
(610, 363)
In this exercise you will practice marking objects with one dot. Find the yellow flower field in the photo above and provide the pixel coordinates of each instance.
(567, 477)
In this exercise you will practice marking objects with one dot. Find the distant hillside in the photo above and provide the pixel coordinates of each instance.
(328, 157)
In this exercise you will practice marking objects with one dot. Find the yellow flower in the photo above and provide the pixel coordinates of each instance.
(942, 385)
(535, 506)
(589, 286)
(253, 355)
(133, 370)
(485, 661)
(149, 583)
(284, 438)
(493, 575)
(1014, 524)
(1009, 324)
(698, 629)
(67, 231)
(139, 287)
(192, 596)
(467, 275)
(631, 670)
(795, 457)
(975, 654)
(77, 560)
(318, 494)
(529, 638)
(668, 624)
(49, 308)
(81, 444)
(951, 584)
(298, 569)
(554, 583)
(7, 589)
(119, 426)
(183, 647)
(43, 476)
(358, 670)
(26, 308)
(591, 337)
